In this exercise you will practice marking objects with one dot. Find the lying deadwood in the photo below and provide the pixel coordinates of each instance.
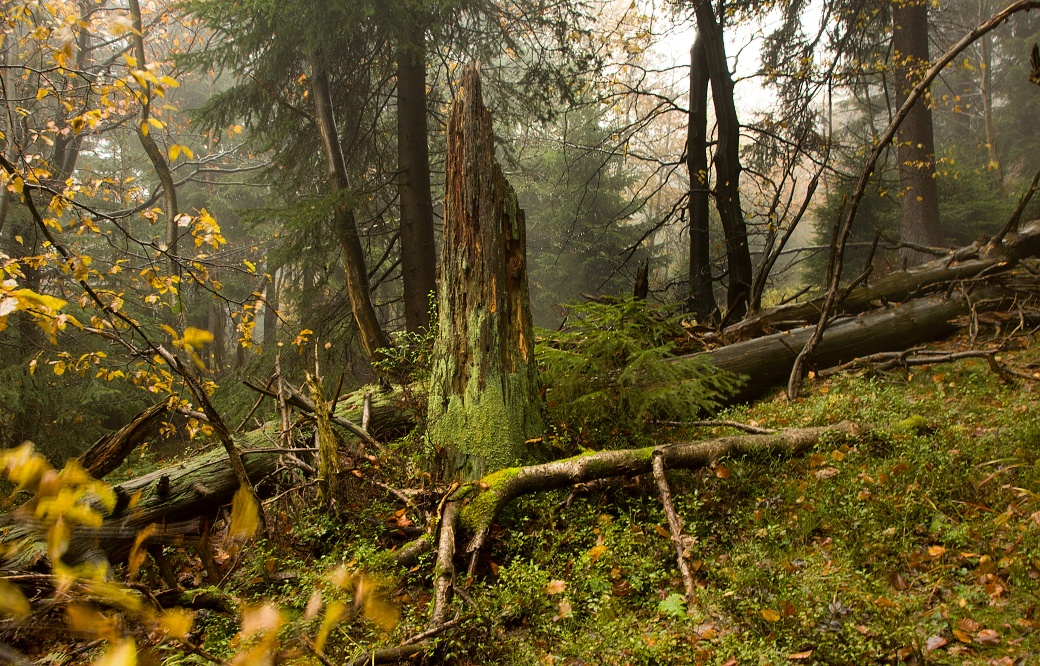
(180, 500)
(767, 361)
(391, 412)
(479, 503)
(961, 264)
(918, 357)
(111, 450)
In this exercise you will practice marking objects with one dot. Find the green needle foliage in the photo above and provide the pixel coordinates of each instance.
(612, 371)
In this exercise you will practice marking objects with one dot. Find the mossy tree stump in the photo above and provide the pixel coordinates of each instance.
(485, 402)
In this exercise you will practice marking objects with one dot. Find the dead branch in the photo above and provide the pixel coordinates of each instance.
(840, 238)
(675, 527)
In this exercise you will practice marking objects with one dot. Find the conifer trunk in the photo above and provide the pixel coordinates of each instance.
(701, 300)
(484, 399)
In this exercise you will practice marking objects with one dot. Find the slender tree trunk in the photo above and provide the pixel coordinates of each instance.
(915, 145)
(485, 402)
(702, 296)
(987, 99)
(151, 148)
(271, 311)
(372, 335)
(727, 164)
(418, 252)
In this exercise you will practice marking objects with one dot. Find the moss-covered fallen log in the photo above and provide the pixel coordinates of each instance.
(475, 506)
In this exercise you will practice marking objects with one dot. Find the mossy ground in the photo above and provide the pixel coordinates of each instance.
(918, 544)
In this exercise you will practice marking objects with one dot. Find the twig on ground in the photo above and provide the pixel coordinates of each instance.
(675, 527)
(444, 571)
(746, 427)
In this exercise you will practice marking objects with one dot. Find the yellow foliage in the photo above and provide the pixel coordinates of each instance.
(12, 601)
(123, 654)
(245, 516)
(177, 622)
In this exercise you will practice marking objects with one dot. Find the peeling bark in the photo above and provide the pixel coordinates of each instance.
(484, 397)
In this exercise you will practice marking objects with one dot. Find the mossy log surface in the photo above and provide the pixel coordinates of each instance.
(483, 500)
(484, 400)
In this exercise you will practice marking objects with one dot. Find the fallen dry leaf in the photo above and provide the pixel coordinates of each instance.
(968, 625)
(988, 637)
(770, 615)
(934, 643)
(555, 587)
(800, 655)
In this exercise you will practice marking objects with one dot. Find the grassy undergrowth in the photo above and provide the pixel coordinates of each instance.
(919, 544)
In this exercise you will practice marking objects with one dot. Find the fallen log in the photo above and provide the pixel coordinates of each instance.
(962, 264)
(475, 506)
(109, 452)
(767, 361)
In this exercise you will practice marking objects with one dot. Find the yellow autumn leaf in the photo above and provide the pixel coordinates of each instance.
(30, 296)
(144, 129)
(187, 152)
(137, 553)
(334, 614)
(17, 184)
(41, 93)
(177, 622)
(59, 368)
(245, 517)
(155, 122)
(123, 654)
(770, 615)
(262, 618)
(88, 621)
(175, 152)
(196, 337)
(12, 601)
(382, 613)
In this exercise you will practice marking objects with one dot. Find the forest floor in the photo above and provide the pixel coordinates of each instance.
(918, 543)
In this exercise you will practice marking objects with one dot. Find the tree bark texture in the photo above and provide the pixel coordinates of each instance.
(484, 397)
(418, 252)
(702, 295)
(109, 452)
(727, 164)
(915, 144)
(372, 335)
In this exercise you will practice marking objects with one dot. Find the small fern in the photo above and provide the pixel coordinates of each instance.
(612, 371)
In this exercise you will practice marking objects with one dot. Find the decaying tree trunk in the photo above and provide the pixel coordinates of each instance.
(484, 396)
(110, 451)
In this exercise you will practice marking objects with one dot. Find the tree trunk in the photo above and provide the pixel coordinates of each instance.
(372, 335)
(727, 165)
(155, 154)
(484, 397)
(702, 296)
(987, 99)
(915, 145)
(418, 252)
(271, 311)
